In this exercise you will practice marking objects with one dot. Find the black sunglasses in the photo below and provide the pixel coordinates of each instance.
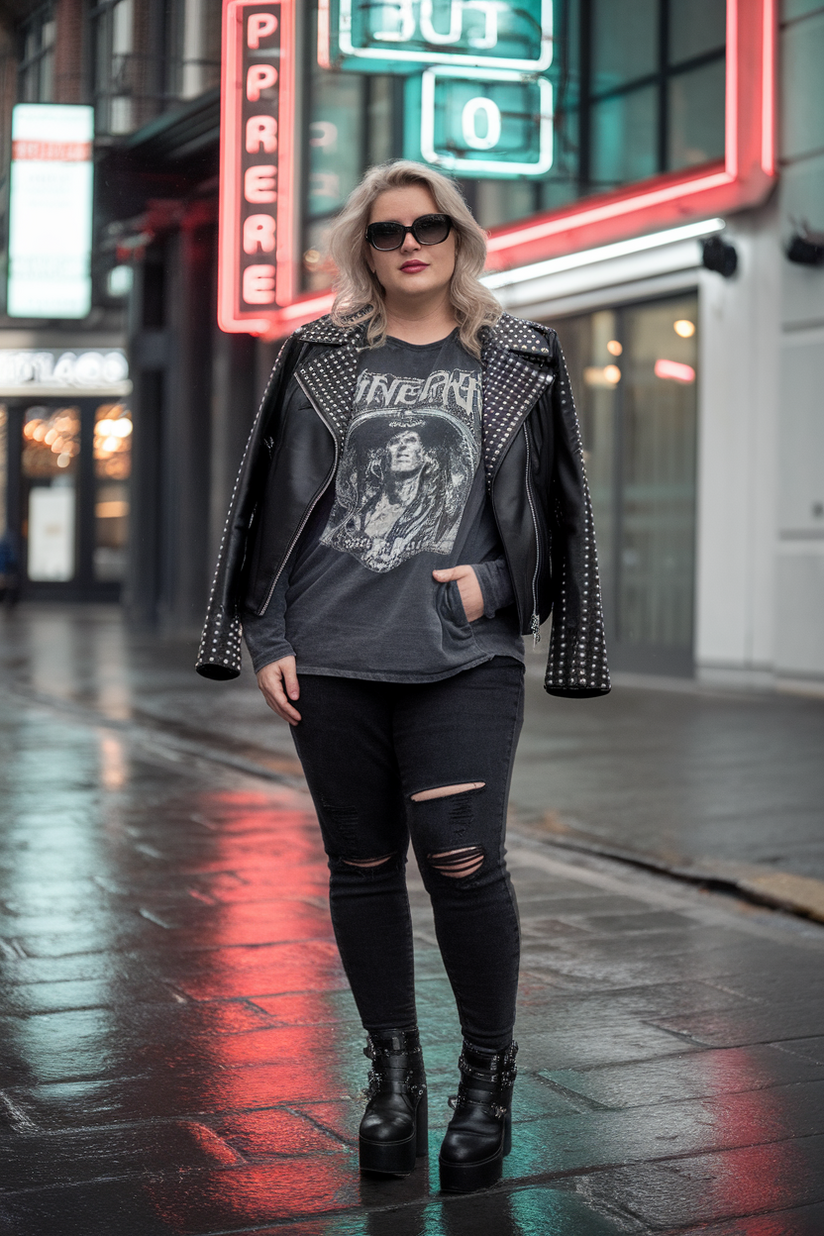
(428, 230)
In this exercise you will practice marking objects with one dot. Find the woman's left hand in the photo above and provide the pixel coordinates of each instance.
(472, 598)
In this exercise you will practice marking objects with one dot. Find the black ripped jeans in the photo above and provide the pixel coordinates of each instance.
(366, 749)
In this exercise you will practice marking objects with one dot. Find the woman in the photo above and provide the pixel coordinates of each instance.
(411, 502)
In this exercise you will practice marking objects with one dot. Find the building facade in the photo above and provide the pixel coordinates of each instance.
(698, 386)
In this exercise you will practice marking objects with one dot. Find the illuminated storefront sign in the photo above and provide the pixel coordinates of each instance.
(52, 371)
(478, 122)
(399, 36)
(475, 103)
(742, 178)
(50, 211)
(256, 270)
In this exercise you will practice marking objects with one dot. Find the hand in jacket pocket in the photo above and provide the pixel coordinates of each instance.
(472, 598)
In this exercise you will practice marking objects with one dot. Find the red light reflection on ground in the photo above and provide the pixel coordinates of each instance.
(267, 946)
(761, 1175)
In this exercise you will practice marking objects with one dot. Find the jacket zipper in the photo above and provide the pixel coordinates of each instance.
(307, 513)
(535, 624)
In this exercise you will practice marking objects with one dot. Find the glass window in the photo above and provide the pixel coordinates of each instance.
(379, 119)
(118, 72)
(624, 42)
(696, 27)
(501, 200)
(350, 124)
(633, 371)
(36, 61)
(112, 469)
(334, 165)
(194, 47)
(335, 142)
(624, 138)
(133, 80)
(655, 599)
(696, 115)
(629, 103)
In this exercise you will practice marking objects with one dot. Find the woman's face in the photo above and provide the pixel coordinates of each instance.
(414, 270)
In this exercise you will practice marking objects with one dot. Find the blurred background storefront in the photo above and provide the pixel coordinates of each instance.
(699, 386)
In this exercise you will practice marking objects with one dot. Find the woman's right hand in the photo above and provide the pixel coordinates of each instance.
(279, 684)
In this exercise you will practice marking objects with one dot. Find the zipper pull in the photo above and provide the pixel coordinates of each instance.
(535, 627)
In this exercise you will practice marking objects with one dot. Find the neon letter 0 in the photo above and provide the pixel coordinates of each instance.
(469, 123)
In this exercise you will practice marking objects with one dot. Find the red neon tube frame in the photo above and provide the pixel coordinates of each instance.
(742, 178)
(231, 317)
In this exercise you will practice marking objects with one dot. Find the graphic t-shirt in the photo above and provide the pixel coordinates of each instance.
(358, 598)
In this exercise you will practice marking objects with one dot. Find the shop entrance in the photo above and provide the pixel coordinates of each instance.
(633, 371)
(69, 463)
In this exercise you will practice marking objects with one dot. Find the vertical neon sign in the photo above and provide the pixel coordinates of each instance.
(256, 262)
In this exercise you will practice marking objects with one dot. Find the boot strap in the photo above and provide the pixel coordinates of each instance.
(505, 1075)
(381, 1083)
(375, 1052)
(491, 1109)
(500, 1063)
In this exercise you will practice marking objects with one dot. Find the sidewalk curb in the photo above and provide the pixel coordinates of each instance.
(781, 890)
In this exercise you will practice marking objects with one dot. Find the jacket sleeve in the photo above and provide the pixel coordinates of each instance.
(577, 664)
(495, 583)
(265, 634)
(220, 644)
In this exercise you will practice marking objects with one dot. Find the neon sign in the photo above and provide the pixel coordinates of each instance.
(50, 211)
(398, 36)
(256, 267)
(483, 122)
(743, 178)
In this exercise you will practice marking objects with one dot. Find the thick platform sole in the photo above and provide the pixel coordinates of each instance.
(397, 1158)
(467, 1177)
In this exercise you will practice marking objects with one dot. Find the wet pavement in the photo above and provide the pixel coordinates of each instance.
(180, 1052)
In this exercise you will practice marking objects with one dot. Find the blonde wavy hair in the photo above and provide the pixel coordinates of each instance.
(359, 296)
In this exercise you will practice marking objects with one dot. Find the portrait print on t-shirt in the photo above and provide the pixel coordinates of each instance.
(408, 461)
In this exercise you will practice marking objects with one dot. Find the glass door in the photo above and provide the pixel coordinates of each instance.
(634, 376)
(50, 471)
(73, 509)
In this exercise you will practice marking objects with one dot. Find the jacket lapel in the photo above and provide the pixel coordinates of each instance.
(511, 385)
(329, 376)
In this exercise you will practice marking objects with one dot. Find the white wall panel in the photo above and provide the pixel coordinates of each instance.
(739, 325)
(800, 610)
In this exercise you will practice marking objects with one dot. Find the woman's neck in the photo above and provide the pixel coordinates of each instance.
(421, 323)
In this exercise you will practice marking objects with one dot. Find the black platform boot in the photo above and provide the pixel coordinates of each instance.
(480, 1132)
(394, 1128)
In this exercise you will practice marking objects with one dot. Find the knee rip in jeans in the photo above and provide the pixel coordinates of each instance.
(367, 864)
(458, 864)
(447, 791)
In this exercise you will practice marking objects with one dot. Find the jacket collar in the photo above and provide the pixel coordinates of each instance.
(512, 334)
(518, 335)
(512, 381)
(325, 331)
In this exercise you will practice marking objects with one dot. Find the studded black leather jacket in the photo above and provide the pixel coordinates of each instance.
(533, 461)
